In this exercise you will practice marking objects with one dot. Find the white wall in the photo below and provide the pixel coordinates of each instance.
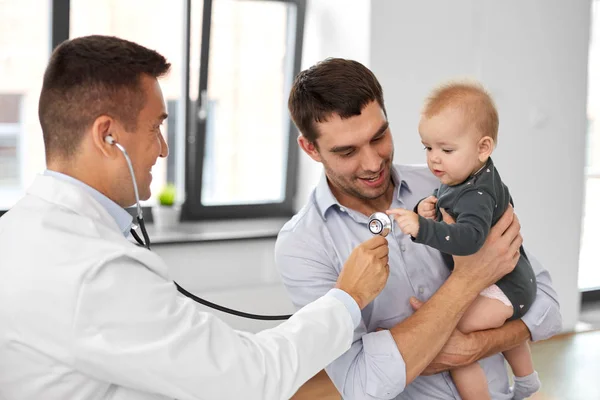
(532, 55)
(238, 274)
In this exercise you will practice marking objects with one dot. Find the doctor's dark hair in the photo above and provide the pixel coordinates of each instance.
(332, 86)
(88, 77)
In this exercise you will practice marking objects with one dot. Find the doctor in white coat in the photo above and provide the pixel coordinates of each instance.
(86, 314)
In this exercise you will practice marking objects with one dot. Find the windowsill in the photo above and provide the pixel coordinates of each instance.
(210, 231)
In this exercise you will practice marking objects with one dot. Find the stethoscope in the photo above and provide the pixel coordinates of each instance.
(379, 224)
(146, 243)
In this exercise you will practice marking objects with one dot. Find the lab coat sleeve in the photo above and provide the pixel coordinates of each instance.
(134, 329)
(543, 319)
(373, 367)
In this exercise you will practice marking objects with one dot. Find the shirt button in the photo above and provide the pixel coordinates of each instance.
(403, 248)
(342, 209)
(421, 290)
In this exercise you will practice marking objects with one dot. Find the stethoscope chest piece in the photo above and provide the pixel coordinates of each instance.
(380, 224)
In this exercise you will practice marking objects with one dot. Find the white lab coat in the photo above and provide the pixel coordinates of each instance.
(86, 314)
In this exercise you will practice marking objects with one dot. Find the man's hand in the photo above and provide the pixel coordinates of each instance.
(426, 207)
(497, 257)
(407, 220)
(366, 271)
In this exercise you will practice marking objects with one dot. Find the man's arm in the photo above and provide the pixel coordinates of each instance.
(421, 336)
(543, 320)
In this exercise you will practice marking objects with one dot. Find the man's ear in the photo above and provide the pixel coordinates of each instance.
(485, 148)
(102, 127)
(309, 148)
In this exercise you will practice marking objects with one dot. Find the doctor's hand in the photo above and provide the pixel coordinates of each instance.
(366, 271)
(497, 257)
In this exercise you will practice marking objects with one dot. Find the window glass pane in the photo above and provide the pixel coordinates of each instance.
(24, 51)
(589, 273)
(9, 160)
(250, 73)
(158, 25)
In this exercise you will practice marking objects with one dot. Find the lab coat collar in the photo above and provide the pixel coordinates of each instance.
(65, 193)
(122, 217)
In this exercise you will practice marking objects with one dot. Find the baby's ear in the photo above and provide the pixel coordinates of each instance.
(485, 148)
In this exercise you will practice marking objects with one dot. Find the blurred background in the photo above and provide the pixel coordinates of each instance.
(234, 159)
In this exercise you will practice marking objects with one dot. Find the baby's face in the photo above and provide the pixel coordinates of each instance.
(451, 145)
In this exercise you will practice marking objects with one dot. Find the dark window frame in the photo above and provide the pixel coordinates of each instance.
(192, 208)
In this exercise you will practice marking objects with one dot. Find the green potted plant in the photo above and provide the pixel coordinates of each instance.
(166, 213)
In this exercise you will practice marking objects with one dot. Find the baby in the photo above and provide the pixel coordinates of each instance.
(459, 128)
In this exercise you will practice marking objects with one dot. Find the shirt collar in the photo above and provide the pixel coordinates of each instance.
(324, 198)
(121, 217)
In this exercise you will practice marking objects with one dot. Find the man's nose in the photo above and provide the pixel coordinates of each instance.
(371, 161)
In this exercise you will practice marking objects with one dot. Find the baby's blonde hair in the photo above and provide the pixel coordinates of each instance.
(472, 99)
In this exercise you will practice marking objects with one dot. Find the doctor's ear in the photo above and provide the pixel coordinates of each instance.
(104, 135)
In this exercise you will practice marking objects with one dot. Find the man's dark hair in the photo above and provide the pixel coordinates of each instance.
(88, 77)
(333, 86)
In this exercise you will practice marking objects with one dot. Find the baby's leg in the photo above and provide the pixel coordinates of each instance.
(527, 381)
(520, 360)
(484, 313)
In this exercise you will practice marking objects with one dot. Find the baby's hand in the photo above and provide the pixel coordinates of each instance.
(407, 220)
(426, 207)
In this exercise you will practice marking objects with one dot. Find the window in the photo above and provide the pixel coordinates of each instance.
(232, 146)
(244, 158)
(24, 51)
(10, 135)
(589, 274)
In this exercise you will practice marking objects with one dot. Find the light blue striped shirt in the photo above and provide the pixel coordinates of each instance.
(310, 252)
(124, 220)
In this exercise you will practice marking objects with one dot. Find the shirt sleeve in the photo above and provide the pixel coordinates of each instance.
(373, 367)
(543, 319)
(349, 303)
(132, 328)
(475, 210)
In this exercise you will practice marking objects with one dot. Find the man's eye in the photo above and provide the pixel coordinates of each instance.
(347, 154)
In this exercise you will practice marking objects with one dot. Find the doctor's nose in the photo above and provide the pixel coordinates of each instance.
(164, 147)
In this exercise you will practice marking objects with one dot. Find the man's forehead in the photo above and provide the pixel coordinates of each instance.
(349, 130)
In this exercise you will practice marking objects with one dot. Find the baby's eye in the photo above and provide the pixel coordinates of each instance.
(427, 148)
(447, 151)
